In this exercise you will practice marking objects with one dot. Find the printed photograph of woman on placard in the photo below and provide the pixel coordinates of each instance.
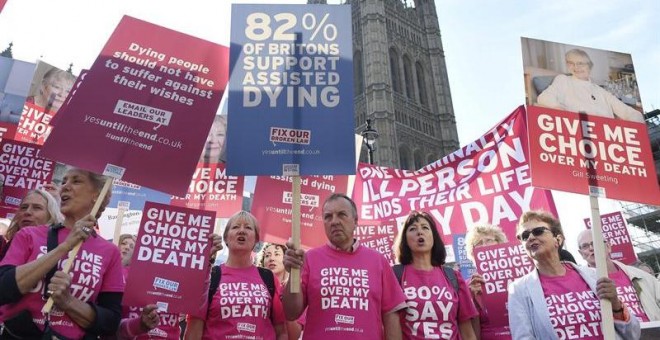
(581, 79)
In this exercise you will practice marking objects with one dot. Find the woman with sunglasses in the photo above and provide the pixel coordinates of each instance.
(559, 299)
(435, 308)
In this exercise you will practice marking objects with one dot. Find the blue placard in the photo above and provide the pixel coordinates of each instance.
(135, 195)
(291, 91)
(467, 267)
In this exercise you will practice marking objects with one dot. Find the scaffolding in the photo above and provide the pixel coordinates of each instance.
(644, 220)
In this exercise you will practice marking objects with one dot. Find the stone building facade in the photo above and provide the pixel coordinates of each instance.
(400, 81)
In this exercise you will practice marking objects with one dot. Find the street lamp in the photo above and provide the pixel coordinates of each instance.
(370, 135)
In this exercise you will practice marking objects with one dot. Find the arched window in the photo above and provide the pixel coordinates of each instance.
(421, 84)
(408, 77)
(419, 159)
(394, 70)
(358, 74)
(405, 158)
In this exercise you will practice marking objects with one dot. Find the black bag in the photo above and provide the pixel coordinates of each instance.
(20, 326)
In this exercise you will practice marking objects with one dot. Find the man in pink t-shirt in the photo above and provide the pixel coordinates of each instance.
(348, 290)
(640, 291)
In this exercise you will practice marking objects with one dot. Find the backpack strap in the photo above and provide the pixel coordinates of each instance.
(398, 272)
(451, 276)
(51, 244)
(215, 283)
(269, 279)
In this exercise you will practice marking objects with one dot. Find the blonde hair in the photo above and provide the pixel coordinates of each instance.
(482, 230)
(244, 216)
(122, 237)
(53, 208)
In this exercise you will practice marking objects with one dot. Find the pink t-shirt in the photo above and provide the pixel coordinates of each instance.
(488, 331)
(628, 295)
(347, 293)
(97, 268)
(240, 309)
(434, 308)
(574, 308)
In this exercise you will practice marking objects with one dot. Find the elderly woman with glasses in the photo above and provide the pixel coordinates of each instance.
(577, 93)
(559, 299)
(480, 236)
(436, 309)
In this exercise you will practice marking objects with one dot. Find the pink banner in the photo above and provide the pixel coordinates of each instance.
(487, 181)
(378, 236)
(212, 189)
(171, 260)
(150, 96)
(616, 234)
(272, 206)
(500, 265)
(591, 154)
(21, 170)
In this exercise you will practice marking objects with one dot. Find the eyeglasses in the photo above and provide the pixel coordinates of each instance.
(538, 231)
(485, 241)
(578, 64)
(587, 245)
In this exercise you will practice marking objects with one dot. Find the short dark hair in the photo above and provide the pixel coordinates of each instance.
(543, 216)
(336, 196)
(438, 252)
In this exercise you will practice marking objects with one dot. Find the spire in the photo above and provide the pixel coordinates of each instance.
(70, 70)
(7, 52)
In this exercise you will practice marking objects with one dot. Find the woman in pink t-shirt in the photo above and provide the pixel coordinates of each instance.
(479, 236)
(242, 305)
(87, 300)
(559, 299)
(435, 308)
(38, 207)
(272, 257)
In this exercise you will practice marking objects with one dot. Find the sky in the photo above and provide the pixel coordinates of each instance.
(481, 41)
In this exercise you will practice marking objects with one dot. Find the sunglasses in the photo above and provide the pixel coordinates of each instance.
(538, 231)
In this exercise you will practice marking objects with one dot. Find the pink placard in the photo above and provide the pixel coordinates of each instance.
(500, 265)
(591, 154)
(378, 236)
(212, 189)
(145, 108)
(271, 205)
(616, 234)
(170, 263)
(21, 170)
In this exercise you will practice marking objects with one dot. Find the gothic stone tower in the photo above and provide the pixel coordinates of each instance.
(401, 81)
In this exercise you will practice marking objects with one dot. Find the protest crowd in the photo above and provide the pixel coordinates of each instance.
(418, 298)
(469, 246)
